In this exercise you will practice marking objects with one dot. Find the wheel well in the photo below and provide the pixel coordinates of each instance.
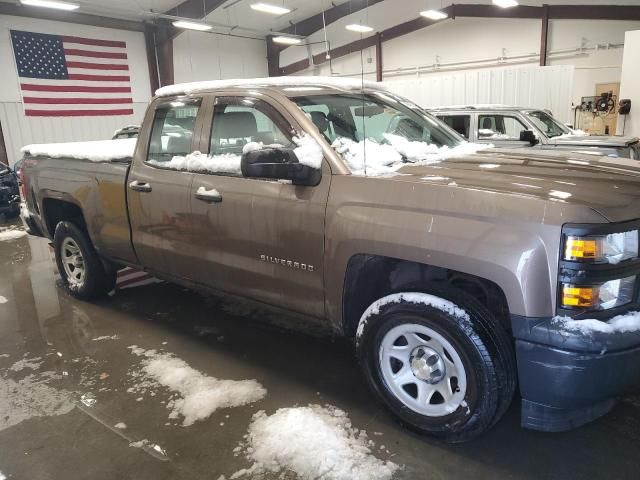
(370, 277)
(56, 211)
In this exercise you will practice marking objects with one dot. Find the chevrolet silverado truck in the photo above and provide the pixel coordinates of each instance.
(459, 273)
(519, 127)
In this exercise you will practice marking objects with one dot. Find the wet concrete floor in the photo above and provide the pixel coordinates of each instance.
(81, 348)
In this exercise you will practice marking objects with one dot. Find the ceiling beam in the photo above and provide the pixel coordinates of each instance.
(196, 9)
(19, 10)
(557, 12)
(544, 35)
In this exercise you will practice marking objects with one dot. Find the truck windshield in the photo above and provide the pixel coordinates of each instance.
(547, 124)
(378, 131)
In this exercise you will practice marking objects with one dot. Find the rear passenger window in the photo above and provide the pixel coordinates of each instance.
(499, 127)
(172, 134)
(459, 123)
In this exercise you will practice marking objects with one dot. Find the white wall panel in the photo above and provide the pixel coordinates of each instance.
(546, 87)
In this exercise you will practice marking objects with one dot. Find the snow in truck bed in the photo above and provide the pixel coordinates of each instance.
(96, 151)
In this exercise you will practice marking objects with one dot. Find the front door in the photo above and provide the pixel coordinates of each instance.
(159, 190)
(258, 238)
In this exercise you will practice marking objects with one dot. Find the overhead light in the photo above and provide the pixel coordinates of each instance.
(354, 27)
(268, 8)
(50, 4)
(201, 27)
(287, 40)
(505, 3)
(434, 14)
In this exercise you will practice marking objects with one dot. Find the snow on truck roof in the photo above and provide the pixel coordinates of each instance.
(289, 84)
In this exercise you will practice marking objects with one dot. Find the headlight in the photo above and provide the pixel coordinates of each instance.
(614, 293)
(612, 248)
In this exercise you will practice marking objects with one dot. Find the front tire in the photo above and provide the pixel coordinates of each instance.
(442, 368)
(83, 273)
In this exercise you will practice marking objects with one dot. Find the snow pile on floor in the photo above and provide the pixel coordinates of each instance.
(106, 337)
(8, 234)
(96, 151)
(201, 162)
(411, 297)
(629, 322)
(283, 82)
(30, 363)
(31, 397)
(3, 300)
(198, 395)
(308, 151)
(370, 158)
(313, 442)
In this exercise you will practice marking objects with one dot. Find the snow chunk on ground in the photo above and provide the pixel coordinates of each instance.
(411, 297)
(289, 81)
(121, 425)
(628, 322)
(30, 363)
(3, 300)
(370, 158)
(198, 394)
(309, 152)
(31, 397)
(106, 337)
(96, 151)
(8, 234)
(313, 442)
(201, 162)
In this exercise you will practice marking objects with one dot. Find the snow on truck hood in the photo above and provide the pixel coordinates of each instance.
(95, 151)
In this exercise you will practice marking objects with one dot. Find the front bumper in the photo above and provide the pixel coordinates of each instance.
(570, 378)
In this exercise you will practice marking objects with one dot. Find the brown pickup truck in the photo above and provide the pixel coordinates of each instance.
(457, 273)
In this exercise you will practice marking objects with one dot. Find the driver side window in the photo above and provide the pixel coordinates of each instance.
(499, 127)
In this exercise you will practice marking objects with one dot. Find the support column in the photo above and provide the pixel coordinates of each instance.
(378, 57)
(273, 57)
(544, 37)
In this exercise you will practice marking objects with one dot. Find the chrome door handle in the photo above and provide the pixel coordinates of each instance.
(209, 196)
(140, 186)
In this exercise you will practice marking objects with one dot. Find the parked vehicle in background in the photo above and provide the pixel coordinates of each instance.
(515, 127)
(344, 205)
(9, 191)
(132, 131)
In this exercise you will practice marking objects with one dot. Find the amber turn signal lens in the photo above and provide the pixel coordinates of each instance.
(579, 296)
(581, 248)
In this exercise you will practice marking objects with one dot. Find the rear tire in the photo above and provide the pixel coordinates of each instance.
(439, 361)
(84, 275)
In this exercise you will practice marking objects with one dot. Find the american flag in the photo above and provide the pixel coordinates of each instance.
(66, 76)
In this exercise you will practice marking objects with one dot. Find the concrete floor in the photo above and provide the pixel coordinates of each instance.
(40, 320)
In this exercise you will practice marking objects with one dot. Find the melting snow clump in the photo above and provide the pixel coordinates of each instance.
(309, 152)
(367, 157)
(121, 425)
(3, 299)
(8, 234)
(106, 337)
(628, 322)
(313, 442)
(201, 162)
(31, 363)
(198, 395)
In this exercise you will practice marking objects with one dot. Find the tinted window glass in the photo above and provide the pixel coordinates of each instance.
(499, 127)
(460, 123)
(172, 132)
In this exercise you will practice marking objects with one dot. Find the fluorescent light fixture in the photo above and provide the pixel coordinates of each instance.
(434, 14)
(505, 3)
(201, 27)
(287, 40)
(268, 8)
(50, 4)
(354, 27)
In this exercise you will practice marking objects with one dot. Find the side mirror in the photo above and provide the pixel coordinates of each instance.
(528, 136)
(279, 164)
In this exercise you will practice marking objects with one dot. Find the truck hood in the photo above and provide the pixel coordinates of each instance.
(593, 141)
(610, 186)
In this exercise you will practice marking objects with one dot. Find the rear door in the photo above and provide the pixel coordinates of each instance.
(159, 187)
(258, 238)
